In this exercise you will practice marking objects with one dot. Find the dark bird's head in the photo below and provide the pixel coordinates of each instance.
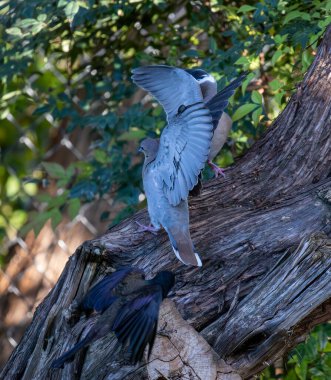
(166, 280)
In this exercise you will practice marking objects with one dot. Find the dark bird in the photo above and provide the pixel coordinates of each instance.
(173, 163)
(127, 305)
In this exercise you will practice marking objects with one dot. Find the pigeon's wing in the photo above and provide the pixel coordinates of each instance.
(136, 323)
(171, 86)
(103, 294)
(218, 103)
(183, 151)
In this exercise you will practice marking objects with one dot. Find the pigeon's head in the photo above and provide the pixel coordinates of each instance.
(166, 280)
(198, 74)
(201, 75)
(206, 81)
(149, 147)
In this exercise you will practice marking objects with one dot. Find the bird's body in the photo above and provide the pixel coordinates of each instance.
(127, 305)
(220, 135)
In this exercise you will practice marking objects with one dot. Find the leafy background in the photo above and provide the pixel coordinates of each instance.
(65, 76)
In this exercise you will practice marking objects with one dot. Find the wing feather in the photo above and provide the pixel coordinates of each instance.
(101, 296)
(171, 86)
(135, 324)
(184, 147)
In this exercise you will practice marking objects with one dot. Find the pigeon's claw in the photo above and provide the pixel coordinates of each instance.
(217, 170)
(149, 228)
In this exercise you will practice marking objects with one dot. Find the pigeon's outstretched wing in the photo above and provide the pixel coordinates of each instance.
(183, 151)
(106, 291)
(136, 323)
(171, 86)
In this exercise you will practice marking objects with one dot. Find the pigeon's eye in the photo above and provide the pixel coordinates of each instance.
(181, 109)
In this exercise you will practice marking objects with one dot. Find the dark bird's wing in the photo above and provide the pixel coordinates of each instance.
(106, 291)
(218, 103)
(136, 323)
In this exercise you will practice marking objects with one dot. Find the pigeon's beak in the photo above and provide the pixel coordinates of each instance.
(139, 150)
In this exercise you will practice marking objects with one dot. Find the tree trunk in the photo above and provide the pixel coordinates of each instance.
(263, 234)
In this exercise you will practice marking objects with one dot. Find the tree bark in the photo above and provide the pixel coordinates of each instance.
(264, 238)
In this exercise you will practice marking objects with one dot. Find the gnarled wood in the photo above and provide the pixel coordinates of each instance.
(263, 238)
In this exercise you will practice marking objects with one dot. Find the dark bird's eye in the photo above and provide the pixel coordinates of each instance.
(181, 109)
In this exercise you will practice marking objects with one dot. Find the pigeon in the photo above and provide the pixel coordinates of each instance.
(223, 126)
(173, 163)
(128, 306)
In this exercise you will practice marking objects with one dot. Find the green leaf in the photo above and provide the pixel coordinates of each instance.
(246, 82)
(37, 223)
(54, 170)
(42, 17)
(14, 31)
(275, 85)
(256, 115)
(256, 97)
(246, 8)
(58, 200)
(243, 111)
(10, 95)
(212, 44)
(133, 134)
(62, 3)
(296, 14)
(276, 56)
(301, 369)
(242, 61)
(279, 97)
(73, 207)
(56, 217)
(101, 156)
(71, 9)
(28, 23)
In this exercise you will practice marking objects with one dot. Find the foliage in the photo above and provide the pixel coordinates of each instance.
(310, 360)
(65, 67)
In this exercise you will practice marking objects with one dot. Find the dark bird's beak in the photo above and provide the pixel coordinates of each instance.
(139, 150)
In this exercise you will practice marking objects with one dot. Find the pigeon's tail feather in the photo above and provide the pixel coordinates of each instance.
(183, 247)
(67, 356)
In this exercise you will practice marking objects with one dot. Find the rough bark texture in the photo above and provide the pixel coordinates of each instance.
(263, 234)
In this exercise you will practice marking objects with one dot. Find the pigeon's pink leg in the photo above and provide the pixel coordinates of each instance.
(149, 228)
(218, 171)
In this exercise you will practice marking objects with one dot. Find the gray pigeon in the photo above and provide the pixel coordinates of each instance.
(172, 165)
(208, 88)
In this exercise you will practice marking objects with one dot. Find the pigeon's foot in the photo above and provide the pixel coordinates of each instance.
(149, 228)
(217, 170)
